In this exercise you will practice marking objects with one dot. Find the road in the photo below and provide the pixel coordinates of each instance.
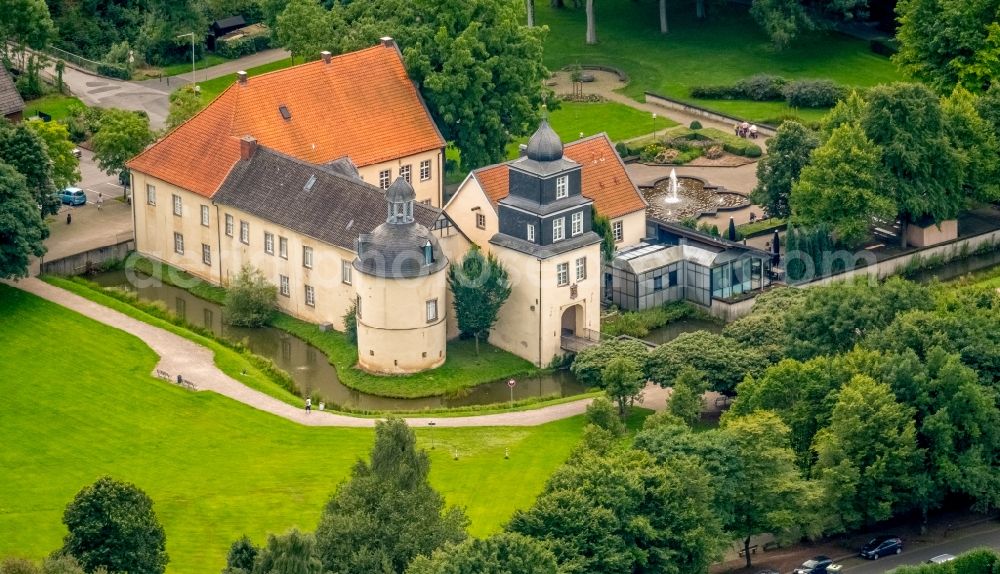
(987, 535)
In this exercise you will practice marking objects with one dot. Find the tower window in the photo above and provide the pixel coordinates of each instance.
(562, 186)
(577, 223)
(562, 274)
(428, 253)
(559, 229)
(432, 310)
(581, 268)
(531, 232)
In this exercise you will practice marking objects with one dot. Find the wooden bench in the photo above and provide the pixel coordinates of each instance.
(743, 551)
(162, 374)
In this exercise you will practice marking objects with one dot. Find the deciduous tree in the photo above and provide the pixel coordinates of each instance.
(251, 300)
(184, 103)
(622, 380)
(305, 28)
(112, 525)
(242, 556)
(787, 153)
(590, 362)
(504, 553)
(22, 230)
(25, 151)
(724, 361)
(685, 400)
(387, 513)
(867, 458)
(976, 142)
(121, 136)
(59, 148)
(841, 187)
(480, 287)
(292, 553)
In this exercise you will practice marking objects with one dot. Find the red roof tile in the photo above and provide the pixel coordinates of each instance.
(603, 177)
(361, 105)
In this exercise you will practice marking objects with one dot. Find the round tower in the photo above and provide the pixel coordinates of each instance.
(402, 291)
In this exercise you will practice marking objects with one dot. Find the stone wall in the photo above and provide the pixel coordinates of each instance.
(81, 262)
(665, 102)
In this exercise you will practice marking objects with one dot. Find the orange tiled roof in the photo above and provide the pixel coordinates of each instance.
(603, 177)
(361, 105)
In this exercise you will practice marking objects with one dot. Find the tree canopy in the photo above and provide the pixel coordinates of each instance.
(480, 286)
(112, 525)
(787, 153)
(59, 149)
(504, 553)
(589, 363)
(387, 513)
(24, 150)
(724, 361)
(22, 230)
(121, 135)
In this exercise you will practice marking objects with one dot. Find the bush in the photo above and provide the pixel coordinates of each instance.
(651, 151)
(351, 322)
(244, 46)
(603, 414)
(695, 125)
(714, 151)
(622, 149)
(813, 93)
(761, 87)
(716, 92)
(114, 71)
(250, 300)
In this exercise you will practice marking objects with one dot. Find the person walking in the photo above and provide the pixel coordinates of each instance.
(100, 201)
(69, 218)
(753, 131)
(309, 405)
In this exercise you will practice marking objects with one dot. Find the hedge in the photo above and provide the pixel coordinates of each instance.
(813, 93)
(768, 88)
(114, 71)
(244, 46)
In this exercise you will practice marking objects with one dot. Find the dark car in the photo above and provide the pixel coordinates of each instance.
(882, 546)
(815, 565)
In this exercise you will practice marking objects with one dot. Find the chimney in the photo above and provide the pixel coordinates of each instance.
(387, 41)
(248, 146)
(242, 77)
(326, 56)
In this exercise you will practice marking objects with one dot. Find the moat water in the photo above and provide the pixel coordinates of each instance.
(311, 370)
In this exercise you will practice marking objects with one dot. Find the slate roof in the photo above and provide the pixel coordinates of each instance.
(395, 250)
(335, 209)
(603, 177)
(361, 105)
(10, 100)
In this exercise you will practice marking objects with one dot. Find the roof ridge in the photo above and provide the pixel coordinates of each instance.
(314, 62)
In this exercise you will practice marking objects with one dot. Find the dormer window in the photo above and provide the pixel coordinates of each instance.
(428, 253)
(562, 187)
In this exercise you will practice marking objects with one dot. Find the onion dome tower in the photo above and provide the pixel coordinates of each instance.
(402, 291)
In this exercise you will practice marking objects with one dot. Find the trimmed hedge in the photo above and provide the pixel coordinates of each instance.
(813, 93)
(762, 87)
(768, 88)
(243, 46)
(114, 71)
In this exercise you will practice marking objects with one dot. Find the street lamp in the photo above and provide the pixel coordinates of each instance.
(431, 424)
(193, 87)
(654, 124)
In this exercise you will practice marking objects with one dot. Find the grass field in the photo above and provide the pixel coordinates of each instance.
(209, 60)
(56, 105)
(723, 49)
(214, 468)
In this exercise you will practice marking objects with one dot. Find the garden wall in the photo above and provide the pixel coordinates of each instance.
(665, 102)
(80, 263)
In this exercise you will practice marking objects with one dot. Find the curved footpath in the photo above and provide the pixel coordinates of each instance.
(196, 363)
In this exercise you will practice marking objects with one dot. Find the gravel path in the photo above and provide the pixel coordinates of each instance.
(195, 363)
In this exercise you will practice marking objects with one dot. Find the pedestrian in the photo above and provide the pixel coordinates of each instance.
(309, 405)
(69, 218)
(753, 217)
(753, 131)
(736, 129)
(745, 128)
(100, 201)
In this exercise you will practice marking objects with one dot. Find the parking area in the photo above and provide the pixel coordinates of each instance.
(94, 181)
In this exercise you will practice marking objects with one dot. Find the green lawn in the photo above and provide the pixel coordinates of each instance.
(214, 467)
(726, 47)
(181, 68)
(56, 105)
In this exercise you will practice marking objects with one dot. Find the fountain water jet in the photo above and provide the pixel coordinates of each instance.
(672, 189)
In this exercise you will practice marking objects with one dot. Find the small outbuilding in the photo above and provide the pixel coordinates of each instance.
(11, 103)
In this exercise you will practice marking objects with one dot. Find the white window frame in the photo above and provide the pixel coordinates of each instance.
(405, 172)
(385, 178)
(581, 269)
(150, 194)
(577, 223)
(245, 232)
(431, 310)
(310, 296)
(618, 230)
(346, 271)
(268, 243)
(284, 287)
(558, 229)
(425, 170)
(178, 205)
(206, 254)
(283, 247)
(229, 225)
(562, 274)
(178, 243)
(480, 220)
(530, 232)
(562, 187)
(205, 216)
(307, 257)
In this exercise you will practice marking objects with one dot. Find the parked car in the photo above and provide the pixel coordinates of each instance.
(941, 559)
(882, 546)
(73, 196)
(815, 565)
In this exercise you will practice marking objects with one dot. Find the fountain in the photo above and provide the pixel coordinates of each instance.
(674, 198)
(672, 189)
